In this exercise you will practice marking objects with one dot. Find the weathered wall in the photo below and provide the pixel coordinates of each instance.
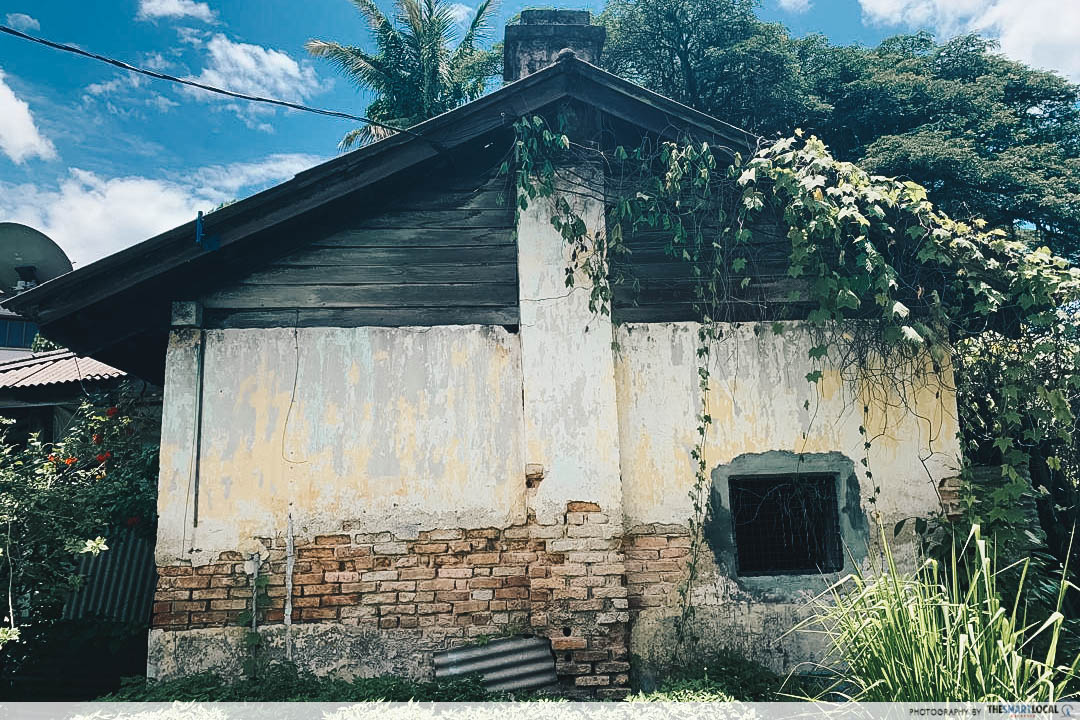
(443, 483)
(766, 418)
(395, 429)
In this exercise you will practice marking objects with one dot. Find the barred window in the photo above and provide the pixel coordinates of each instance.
(786, 524)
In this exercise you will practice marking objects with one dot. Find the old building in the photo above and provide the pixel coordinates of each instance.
(381, 399)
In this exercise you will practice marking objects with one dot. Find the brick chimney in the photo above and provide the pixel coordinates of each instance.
(537, 41)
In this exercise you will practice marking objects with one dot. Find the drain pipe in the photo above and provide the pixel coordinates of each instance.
(290, 561)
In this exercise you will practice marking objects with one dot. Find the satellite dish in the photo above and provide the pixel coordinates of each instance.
(28, 258)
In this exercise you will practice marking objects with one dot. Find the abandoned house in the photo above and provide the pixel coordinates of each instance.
(389, 424)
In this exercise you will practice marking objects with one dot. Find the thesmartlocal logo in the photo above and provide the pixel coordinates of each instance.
(1032, 710)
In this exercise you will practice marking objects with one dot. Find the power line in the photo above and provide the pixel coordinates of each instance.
(209, 88)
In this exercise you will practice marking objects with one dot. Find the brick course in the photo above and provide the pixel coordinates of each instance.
(572, 582)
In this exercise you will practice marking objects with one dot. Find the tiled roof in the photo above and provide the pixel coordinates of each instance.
(53, 368)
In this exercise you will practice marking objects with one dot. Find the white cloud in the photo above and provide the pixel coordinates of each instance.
(20, 138)
(794, 6)
(253, 70)
(1043, 33)
(90, 216)
(22, 21)
(153, 9)
(462, 14)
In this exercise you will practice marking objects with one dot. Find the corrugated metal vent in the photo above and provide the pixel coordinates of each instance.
(118, 584)
(514, 663)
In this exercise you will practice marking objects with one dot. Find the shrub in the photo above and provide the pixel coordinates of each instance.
(285, 683)
(941, 636)
(700, 689)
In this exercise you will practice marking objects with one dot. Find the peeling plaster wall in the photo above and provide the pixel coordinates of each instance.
(758, 392)
(766, 416)
(571, 421)
(393, 428)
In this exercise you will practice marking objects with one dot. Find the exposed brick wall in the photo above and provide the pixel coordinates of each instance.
(566, 581)
(656, 559)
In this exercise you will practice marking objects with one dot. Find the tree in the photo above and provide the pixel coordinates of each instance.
(988, 137)
(715, 57)
(415, 72)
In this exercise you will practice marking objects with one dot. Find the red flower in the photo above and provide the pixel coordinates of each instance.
(70, 460)
(134, 520)
(108, 454)
(112, 411)
(51, 458)
(96, 439)
(101, 458)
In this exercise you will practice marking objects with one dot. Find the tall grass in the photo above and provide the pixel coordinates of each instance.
(934, 635)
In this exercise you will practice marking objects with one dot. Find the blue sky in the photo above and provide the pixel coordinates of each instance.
(100, 159)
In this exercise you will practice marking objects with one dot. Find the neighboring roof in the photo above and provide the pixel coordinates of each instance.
(54, 368)
(135, 284)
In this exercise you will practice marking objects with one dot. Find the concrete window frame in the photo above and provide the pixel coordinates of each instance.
(851, 519)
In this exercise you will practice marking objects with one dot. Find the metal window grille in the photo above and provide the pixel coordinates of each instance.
(786, 524)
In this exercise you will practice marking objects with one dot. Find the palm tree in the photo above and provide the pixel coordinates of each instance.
(415, 74)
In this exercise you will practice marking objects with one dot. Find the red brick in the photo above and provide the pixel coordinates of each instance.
(324, 589)
(229, 604)
(408, 621)
(429, 548)
(215, 569)
(332, 539)
(470, 606)
(341, 577)
(351, 553)
(511, 593)
(188, 606)
(418, 573)
(170, 619)
(592, 680)
(577, 506)
(558, 644)
(162, 607)
(211, 617)
(229, 581)
(433, 608)
(650, 541)
(174, 570)
(331, 600)
(315, 552)
(319, 613)
(231, 556)
(388, 622)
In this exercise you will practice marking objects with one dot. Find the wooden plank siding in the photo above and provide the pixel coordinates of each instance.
(442, 256)
(654, 285)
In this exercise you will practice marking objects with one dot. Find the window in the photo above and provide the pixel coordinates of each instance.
(785, 524)
(17, 333)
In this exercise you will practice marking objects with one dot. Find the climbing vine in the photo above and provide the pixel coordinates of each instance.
(896, 294)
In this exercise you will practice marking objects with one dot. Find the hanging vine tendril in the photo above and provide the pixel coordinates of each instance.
(892, 292)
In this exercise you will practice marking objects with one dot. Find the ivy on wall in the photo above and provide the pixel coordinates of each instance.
(895, 293)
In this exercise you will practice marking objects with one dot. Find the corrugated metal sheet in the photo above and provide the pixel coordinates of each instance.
(54, 368)
(514, 663)
(118, 584)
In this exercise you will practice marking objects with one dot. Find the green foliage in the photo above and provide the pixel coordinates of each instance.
(898, 291)
(716, 57)
(986, 136)
(284, 683)
(942, 634)
(696, 690)
(415, 73)
(43, 344)
(63, 499)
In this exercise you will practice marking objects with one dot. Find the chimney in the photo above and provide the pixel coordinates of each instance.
(542, 35)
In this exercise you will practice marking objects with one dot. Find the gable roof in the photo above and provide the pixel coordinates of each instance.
(133, 287)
